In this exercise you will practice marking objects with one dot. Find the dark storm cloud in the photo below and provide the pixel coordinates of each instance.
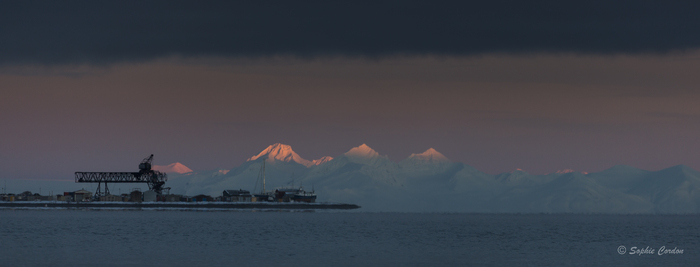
(108, 31)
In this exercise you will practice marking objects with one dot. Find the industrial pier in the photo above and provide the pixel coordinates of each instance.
(183, 205)
(154, 198)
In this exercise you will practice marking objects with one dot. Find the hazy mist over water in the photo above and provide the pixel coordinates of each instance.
(245, 238)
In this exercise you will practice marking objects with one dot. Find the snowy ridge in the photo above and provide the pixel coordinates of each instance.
(568, 171)
(322, 160)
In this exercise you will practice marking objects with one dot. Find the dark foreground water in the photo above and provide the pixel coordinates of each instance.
(245, 238)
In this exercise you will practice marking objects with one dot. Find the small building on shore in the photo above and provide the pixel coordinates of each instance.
(236, 196)
(78, 196)
(111, 198)
(49, 198)
(34, 197)
(150, 196)
(136, 196)
(7, 197)
(171, 198)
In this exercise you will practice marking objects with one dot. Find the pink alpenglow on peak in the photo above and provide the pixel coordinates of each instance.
(322, 160)
(362, 151)
(176, 167)
(430, 155)
(281, 152)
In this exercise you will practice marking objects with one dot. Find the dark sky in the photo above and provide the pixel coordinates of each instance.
(56, 32)
(90, 86)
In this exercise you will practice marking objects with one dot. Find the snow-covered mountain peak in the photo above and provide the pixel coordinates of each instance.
(519, 170)
(176, 167)
(430, 155)
(281, 152)
(362, 151)
(322, 160)
(365, 155)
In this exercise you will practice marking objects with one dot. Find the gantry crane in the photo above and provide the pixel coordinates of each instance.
(153, 178)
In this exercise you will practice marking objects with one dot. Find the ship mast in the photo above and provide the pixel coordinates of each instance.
(263, 173)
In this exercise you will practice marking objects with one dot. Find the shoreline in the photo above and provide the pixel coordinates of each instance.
(178, 205)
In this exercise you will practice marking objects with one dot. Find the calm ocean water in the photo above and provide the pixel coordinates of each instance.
(246, 238)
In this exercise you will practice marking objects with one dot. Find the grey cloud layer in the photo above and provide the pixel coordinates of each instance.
(57, 32)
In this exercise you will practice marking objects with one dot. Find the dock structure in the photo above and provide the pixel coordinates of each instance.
(153, 178)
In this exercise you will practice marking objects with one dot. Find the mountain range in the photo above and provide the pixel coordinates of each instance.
(430, 182)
